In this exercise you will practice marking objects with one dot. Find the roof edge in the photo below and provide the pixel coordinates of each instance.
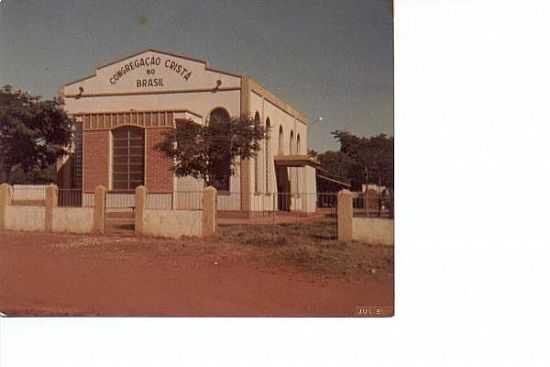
(204, 62)
(255, 86)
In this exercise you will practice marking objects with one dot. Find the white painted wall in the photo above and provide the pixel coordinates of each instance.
(201, 77)
(73, 220)
(310, 188)
(172, 223)
(263, 201)
(25, 218)
(377, 231)
(302, 179)
(202, 81)
(200, 103)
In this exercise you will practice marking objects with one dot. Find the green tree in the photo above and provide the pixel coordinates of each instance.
(373, 156)
(210, 151)
(33, 133)
(337, 164)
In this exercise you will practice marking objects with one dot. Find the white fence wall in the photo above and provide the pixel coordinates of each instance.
(377, 231)
(172, 223)
(25, 218)
(73, 220)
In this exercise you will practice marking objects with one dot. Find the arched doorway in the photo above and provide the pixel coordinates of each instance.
(283, 182)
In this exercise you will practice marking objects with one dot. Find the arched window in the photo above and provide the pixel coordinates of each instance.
(219, 115)
(280, 151)
(222, 167)
(128, 157)
(298, 143)
(257, 160)
(267, 155)
(291, 170)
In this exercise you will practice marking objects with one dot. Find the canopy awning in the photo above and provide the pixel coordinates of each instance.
(296, 160)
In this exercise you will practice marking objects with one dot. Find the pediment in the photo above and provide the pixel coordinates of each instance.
(152, 71)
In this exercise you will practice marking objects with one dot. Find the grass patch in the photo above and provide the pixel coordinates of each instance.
(311, 246)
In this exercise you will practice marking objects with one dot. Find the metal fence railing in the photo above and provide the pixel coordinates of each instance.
(278, 215)
(327, 202)
(69, 197)
(303, 204)
(373, 204)
(281, 201)
(274, 208)
(120, 200)
(159, 200)
(188, 200)
(75, 198)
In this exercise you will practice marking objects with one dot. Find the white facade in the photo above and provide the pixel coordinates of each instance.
(184, 87)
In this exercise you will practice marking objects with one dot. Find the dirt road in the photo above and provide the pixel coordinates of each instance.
(52, 274)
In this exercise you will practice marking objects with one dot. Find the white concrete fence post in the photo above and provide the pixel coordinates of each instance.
(99, 209)
(6, 195)
(209, 201)
(139, 214)
(51, 202)
(344, 215)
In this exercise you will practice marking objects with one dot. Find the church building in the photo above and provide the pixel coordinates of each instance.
(125, 107)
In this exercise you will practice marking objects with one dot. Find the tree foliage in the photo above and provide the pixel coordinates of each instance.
(360, 158)
(33, 133)
(339, 165)
(211, 150)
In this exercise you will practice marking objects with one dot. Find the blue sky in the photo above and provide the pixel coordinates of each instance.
(327, 58)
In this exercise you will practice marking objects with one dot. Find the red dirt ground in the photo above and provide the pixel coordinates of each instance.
(52, 274)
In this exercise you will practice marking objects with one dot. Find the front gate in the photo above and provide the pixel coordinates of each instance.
(119, 212)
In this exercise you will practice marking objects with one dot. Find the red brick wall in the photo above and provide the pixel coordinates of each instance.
(158, 173)
(95, 159)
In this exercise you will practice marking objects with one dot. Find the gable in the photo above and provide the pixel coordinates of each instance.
(152, 71)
